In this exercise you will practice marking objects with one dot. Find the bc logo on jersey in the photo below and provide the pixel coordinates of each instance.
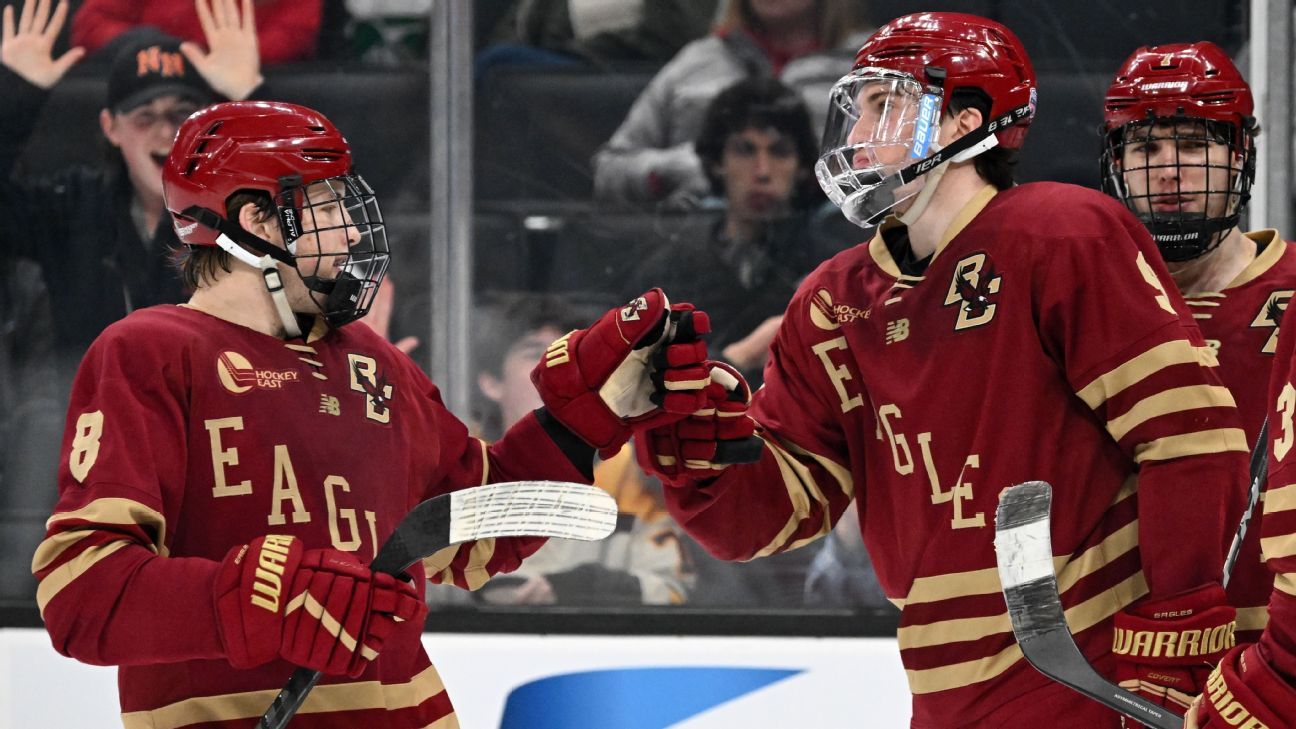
(971, 287)
(1270, 315)
(378, 393)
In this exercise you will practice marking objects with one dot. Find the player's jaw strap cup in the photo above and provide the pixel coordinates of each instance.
(882, 134)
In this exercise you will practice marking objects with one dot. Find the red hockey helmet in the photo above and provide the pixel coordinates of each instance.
(303, 164)
(970, 52)
(884, 115)
(1177, 96)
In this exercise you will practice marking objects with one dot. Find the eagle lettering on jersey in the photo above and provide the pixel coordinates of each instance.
(888, 417)
(971, 287)
(1270, 315)
(378, 393)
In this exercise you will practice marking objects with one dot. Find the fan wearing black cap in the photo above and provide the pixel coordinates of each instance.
(100, 233)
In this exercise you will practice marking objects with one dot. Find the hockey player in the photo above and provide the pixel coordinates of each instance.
(232, 463)
(1180, 153)
(1254, 686)
(989, 334)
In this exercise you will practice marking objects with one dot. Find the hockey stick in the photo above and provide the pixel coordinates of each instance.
(1024, 551)
(1259, 471)
(516, 509)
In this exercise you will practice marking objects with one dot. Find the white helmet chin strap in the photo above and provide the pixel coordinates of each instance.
(915, 211)
(273, 282)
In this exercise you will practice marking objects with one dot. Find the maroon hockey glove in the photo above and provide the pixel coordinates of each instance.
(1244, 692)
(709, 440)
(319, 609)
(638, 364)
(1165, 649)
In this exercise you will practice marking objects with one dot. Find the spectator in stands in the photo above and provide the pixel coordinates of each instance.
(758, 151)
(643, 562)
(289, 29)
(563, 32)
(99, 232)
(651, 158)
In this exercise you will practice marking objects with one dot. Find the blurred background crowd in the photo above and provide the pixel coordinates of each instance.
(611, 140)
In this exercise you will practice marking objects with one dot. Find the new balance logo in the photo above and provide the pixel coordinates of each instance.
(897, 331)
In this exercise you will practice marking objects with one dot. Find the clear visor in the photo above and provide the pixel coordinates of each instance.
(879, 123)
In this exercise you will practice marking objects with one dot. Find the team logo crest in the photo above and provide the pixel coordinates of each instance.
(237, 375)
(1270, 315)
(828, 315)
(973, 288)
(366, 378)
(630, 312)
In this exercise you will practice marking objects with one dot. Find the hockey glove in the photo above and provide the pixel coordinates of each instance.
(713, 437)
(1244, 692)
(1165, 649)
(638, 364)
(319, 609)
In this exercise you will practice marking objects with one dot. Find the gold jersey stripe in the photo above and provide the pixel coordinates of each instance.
(55, 581)
(1277, 547)
(439, 563)
(935, 588)
(1280, 499)
(1191, 302)
(485, 456)
(475, 572)
(328, 698)
(1175, 400)
(1080, 617)
(1135, 370)
(1285, 581)
(1252, 618)
(802, 489)
(1069, 573)
(1263, 262)
(845, 481)
(1217, 440)
(116, 510)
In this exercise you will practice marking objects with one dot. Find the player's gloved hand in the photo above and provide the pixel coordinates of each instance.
(1243, 691)
(1166, 648)
(319, 609)
(638, 364)
(709, 440)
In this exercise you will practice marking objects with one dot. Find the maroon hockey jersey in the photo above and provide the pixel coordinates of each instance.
(1277, 526)
(188, 435)
(1044, 340)
(1241, 324)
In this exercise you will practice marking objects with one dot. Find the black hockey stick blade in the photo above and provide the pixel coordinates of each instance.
(514, 509)
(1024, 551)
(1259, 471)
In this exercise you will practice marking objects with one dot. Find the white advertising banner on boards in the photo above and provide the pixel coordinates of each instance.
(547, 682)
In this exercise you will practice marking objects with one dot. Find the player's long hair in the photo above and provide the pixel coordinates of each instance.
(201, 265)
(997, 165)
